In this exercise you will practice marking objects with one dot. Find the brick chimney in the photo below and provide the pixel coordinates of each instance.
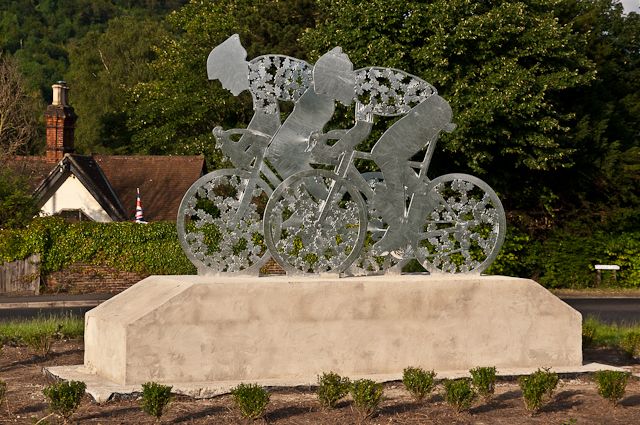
(61, 120)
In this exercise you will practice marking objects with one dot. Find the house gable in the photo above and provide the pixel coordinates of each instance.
(71, 194)
(77, 182)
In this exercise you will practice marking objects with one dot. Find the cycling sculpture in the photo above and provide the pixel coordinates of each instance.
(297, 194)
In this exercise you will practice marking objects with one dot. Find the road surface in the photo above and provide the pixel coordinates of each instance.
(608, 310)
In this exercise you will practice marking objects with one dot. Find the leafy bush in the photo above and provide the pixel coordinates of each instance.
(538, 388)
(612, 384)
(564, 257)
(630, 343)
(40, 339)
(151, 249)
(331, 388)
(484, 381)
(589, 330)
(65, 397)
(458, 393)
(418, 382)
(251, 399)
(367, 396)
(155, 398)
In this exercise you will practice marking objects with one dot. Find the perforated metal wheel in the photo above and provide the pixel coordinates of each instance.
(219, 232)
(464, 226)
(315, 222)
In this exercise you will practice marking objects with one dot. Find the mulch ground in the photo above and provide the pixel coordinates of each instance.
(575, 401)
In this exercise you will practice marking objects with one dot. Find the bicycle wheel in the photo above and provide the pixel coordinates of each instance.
(214, 234)
(310, 228)
(464, 228)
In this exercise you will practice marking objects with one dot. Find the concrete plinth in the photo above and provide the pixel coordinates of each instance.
(190, 329)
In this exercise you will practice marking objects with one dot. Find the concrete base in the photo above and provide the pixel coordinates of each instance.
(195, 329)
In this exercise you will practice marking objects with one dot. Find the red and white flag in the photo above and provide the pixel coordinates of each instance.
(139, 215)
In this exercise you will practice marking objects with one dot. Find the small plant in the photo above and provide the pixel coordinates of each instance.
(630, 344)
(251, 399)
(367, 396)
(331, 388)
(589, 330)
(418, 382)
(538, 388)
(484, 381)
(459, 393)
(65, 397)
(612, 384)
(155, 398)
(40, 341)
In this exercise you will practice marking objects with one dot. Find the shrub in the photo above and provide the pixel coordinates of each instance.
(367, 396)
(65, 397)
(40, 339)
(484, 381)
(630, 344)
(611, 384)
(589, 330)
(458, 393)
(251, 399)
(126, 246)
(538, 388)
(418, 382)
(155, 397)
(331, 388)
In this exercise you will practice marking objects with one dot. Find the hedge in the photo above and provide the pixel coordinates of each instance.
(150, 248)
(565, 259)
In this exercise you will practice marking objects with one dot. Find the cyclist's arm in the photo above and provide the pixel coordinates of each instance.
(352, 137)
(241, 152)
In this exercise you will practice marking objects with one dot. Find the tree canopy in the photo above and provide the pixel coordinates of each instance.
(545, 93)
(18, 131)
(175, 111)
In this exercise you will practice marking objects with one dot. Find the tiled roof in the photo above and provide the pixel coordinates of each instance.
(163, 181)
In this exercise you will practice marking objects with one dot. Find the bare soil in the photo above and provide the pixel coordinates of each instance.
(576, 400)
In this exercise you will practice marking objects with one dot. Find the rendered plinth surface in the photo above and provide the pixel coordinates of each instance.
(207, 329)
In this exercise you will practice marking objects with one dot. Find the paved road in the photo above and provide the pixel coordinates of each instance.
(17, 308)
(29, 313)
(608, 310)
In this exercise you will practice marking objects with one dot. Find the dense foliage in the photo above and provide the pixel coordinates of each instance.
(151, 248)
(38, 32)
(167, 117)
(17, 206)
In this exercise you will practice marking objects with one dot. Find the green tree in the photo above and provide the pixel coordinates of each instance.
(607, 135)
(38, 33)
(500, 64)
(175, 112)
(18, 112)
(18, 135)
(103, 65)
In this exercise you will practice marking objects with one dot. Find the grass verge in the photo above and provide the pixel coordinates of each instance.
(598, 334)
(21, 331)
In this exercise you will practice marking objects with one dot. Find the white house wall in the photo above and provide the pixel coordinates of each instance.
(72, 195)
